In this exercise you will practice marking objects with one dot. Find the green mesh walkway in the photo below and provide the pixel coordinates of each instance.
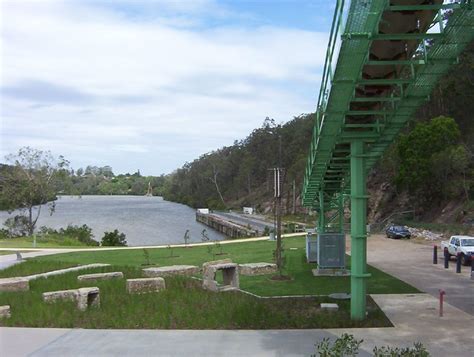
(386, 68)
(383, 60)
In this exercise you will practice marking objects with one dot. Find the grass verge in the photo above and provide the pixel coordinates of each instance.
(302, 282)
(50, 242)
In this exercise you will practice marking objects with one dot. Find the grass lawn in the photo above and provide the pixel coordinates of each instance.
(183, 305)
(302, 283)
(6, 252)
(27, 242)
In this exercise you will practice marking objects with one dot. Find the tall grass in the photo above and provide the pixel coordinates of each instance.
(183, 305)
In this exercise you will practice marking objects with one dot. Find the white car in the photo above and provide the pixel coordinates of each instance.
(463, 245)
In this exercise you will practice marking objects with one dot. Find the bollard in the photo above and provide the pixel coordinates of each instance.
(458, 263)
(472, 264)
(441, 298)
(446, 258)
(435, 254)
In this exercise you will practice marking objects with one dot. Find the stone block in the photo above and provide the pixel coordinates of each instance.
(88, 297)
(171, 270)
(14, 284)
(214, 262)
(101, 276)
(145, 285)
(329, 307)
(257, 268)
(230, 274)
(83, 297)
(5, 312)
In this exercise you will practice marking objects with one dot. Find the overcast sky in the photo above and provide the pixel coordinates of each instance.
(149, 84)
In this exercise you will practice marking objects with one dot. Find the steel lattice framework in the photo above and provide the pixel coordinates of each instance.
(383, 60)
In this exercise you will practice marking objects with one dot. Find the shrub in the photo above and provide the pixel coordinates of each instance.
(17, 226)
(112, 239)
(81, 233)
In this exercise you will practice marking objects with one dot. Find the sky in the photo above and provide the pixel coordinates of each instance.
(153, 84)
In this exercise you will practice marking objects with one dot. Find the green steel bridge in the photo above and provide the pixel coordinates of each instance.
(383, 60)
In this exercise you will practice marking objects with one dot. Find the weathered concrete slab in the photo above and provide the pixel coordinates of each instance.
(5, 312)
(64, 271)
(257, 268)
(171, 270)
(214, 262)
(230, 274)
(101, 276)
(84, 297)
(329, 306)
(14, 284)
(145, 285)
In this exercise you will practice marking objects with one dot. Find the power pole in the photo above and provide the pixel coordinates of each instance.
(294, 198)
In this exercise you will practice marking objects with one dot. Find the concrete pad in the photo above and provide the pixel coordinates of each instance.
(329, 306)
(145, 285)
(171, 270)
(101, 276)
(257, 268)
(5, 312)
(14, 284)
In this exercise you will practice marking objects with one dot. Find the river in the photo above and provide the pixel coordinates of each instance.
(144, 220)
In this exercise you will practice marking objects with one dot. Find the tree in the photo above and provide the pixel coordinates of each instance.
(33, 179)
(114, 238)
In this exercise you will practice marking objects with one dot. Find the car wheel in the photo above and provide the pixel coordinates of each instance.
(464, 260)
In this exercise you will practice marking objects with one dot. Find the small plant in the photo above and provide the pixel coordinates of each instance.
(146, 256)
(418, 350)
(348, 346)
(205, 237)
(186, 237)
(266, 231)
(112, 239)
(218, 246)
(170, 250)
(343, 346)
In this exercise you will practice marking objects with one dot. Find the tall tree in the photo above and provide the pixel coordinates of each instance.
(33, 179)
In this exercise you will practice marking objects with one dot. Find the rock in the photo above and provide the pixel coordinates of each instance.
(171, 270)
(425, 234)
(101, 276)
(230, 274)
(5, 312)
(63, 271)
(84, 297)
(14, 284)
(145, 285)
(340, 296)
(329, 307)
(257, 268)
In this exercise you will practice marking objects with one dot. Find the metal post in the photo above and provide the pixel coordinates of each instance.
(458, 263)
(446, 258)
(358, 231)
(435, 254)
(341, 213)
(322, 213)
(441, 298)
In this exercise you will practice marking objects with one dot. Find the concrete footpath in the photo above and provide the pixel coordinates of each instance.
(415, 318)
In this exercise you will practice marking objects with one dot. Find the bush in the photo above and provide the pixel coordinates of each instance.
(17, 226)
(81, 233)
(113, 239)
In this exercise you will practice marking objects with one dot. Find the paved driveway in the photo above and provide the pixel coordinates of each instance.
(412, 263)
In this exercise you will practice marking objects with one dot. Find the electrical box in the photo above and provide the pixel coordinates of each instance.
(331, 251)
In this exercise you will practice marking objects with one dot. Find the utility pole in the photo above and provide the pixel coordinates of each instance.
(293, 211)
(278, 183)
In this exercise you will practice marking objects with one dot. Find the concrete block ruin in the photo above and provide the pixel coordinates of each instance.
(171, 270)
(84, 297)
(214, 262)
(14, 284)
(101, 276)
(5, 312)
(145, 285)
(257, 268)
(230, 274)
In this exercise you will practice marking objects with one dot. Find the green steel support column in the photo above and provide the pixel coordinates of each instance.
(358, 231)
(341, 212)
(322, 213)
